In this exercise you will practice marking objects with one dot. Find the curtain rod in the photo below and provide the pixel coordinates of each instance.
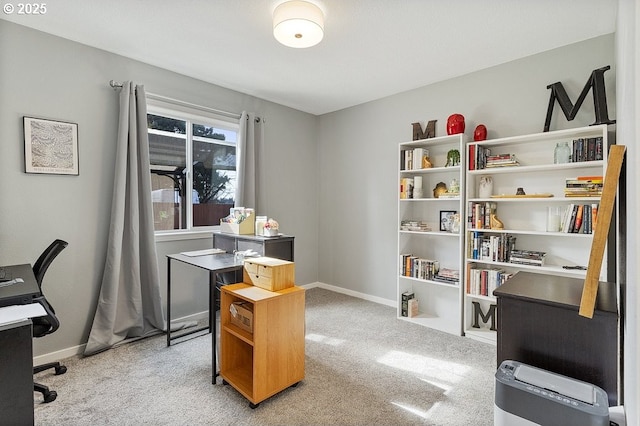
(118, 85)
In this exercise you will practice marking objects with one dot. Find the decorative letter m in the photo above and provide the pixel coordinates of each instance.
(596, 81)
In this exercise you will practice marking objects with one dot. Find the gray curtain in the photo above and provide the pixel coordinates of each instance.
(249, 141)
(130, 305)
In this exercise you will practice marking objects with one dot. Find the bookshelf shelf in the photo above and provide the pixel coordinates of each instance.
(527, 232)
(539, 168)
(419, 280)
(439, 233)
(439, 303)
(524, 220)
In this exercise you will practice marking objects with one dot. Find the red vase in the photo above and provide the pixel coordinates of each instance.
(480, 134)
(455, 124)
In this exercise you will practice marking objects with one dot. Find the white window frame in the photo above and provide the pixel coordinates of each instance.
(190, 116)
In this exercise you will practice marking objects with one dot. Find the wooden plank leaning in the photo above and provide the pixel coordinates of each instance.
(605, 211)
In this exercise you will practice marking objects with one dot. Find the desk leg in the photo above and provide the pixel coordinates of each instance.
(168, 301)
(213, 297)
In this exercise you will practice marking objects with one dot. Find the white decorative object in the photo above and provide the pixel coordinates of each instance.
(553, 219)
(485, 187)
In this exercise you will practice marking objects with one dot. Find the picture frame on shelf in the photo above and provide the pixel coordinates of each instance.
(446, 220)
(50, 146)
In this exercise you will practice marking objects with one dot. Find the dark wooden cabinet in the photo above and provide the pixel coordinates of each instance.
(539, 325)
(16, 373)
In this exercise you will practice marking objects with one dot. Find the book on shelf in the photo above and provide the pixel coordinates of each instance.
(448, 276)
(406, 188)
(449, 195)
(587, 149)
(501, 160)
(406, 296)
(420, 158)
(527, 257)
(579, 218)
(472, 157)
(414, 225)
(416, 267)
(406, 159)
(412, 308)
(483, 281)
(492, 248)
(584, 186)
(479, 214)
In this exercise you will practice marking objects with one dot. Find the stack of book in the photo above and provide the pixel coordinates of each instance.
(527, 257)
(584, 186)
(501, 160)
(414, 225)
(449, 276)
(449, 195)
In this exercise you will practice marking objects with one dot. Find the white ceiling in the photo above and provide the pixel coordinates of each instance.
(371, 48)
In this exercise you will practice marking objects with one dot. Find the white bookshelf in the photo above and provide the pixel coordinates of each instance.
(526, 218)
(440, 304)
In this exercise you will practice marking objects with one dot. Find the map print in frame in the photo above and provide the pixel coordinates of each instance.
(50, 146)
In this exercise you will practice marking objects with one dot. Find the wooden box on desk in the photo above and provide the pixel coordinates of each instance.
(245, 227)
(269, 273)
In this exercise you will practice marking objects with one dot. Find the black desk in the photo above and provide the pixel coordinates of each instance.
(280, 247)
(215, 264)
(16, 348)
(16, 373)
(538, 324)
(19, 293)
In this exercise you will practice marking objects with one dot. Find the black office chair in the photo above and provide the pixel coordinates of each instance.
(48, 323)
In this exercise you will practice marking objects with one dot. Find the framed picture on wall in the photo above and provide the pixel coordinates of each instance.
(50, 146)
(446, 220)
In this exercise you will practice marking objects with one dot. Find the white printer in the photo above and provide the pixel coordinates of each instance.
(526, 396)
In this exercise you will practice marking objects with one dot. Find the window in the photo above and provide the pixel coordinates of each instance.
(193, 169)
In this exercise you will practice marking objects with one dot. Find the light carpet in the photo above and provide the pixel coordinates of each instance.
(363, 367)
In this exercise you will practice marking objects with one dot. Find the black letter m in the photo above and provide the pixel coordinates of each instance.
(596, 81)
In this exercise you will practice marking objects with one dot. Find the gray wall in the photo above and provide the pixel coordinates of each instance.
(357, 149)
(49, 77)
(331, 181)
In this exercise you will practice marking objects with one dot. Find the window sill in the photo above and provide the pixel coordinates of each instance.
(183, 235)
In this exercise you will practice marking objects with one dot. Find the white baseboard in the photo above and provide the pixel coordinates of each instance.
(348, 292)
(79, 350)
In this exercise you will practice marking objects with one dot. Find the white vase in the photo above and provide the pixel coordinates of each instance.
(485, 188)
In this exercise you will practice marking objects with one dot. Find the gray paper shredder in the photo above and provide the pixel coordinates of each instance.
(526, 395)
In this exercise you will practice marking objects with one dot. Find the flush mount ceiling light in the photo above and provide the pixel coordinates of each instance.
(298, 24)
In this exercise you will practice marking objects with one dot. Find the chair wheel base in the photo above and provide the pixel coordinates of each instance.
(61, 370)
(50, 396)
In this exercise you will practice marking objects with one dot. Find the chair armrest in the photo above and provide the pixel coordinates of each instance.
(51, 317)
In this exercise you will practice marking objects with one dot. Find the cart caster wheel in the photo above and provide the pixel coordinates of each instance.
(61, 370)
(50, 396)
(253, 406)
(224, 382)
(295, 384)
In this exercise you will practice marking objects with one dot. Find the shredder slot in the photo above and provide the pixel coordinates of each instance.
(561, 385)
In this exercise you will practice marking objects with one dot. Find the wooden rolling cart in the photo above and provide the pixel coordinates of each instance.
(270, 358)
